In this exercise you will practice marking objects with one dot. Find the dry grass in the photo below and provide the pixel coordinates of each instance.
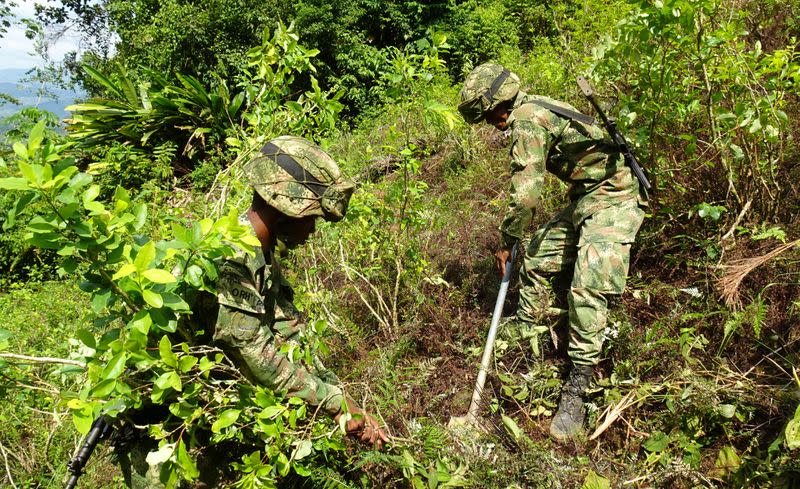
(739, 269)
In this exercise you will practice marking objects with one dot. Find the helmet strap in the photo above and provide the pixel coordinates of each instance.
(498, 82)
(293, 168)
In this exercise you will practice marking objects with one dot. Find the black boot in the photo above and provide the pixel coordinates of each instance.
(568, 421)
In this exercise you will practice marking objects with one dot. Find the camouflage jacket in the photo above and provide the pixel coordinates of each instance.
(255, 322)
(578, 154)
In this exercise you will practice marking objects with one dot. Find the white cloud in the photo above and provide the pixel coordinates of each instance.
(17, 50)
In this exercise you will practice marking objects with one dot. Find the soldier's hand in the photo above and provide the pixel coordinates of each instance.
(367, 428)
(501, 258)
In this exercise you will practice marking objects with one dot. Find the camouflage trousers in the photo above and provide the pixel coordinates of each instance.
(579, 263)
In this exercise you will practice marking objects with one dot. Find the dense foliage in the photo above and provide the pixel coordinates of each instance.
(135, 203)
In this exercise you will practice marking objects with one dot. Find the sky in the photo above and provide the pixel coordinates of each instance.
(15, 47)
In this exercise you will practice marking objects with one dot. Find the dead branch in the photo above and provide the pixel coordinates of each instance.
(26, 358)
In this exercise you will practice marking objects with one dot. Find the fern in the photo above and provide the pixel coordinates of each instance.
(322, 477)
(434, 440)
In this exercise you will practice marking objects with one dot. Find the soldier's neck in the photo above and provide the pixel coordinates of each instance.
(260, 221)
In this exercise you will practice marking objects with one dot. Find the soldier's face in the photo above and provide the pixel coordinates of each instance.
(294, 232)
(498, 117)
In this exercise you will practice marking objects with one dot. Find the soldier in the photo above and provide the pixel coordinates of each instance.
(584, 249)
(295, 182)
(252, 315)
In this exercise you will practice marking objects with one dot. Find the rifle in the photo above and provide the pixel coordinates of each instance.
(619, 139)
(101, 429)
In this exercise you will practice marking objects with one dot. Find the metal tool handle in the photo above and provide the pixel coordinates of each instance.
(488, 350)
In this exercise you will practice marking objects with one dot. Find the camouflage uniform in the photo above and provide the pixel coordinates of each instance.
(590, 240)
(255, 312)
(587, 245)
(252, 316)
(255, 318)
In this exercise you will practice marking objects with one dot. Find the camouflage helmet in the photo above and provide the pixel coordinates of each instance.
(297, 178)
(486, 87)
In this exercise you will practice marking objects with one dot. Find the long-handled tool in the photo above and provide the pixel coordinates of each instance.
(474, 406)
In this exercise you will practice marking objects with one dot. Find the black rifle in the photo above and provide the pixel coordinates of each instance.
(101, 429)
(619, 139)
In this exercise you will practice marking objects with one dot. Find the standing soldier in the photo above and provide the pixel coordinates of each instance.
(252, 314)
(586, 245)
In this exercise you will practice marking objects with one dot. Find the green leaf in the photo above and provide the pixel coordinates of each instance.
(511, 427)
(122, 195)
(194, 276)
(100, 300)
(20, 150)
(271, 412)
(141, 322)
(139, 212)
(186, 363)
(145, 256)
(169, 379)
(79, 180)
(166, 353)
(792, 432)
(595, 481)
(14, 183)
(115, 366)
(154, 299)
(282, 464)
(36, 135)
(5, 335)
(86, 337)
(104, 388)
(657, 442)
(227, 418)
(727, 460)
(94, 207)
(91, 193)
(82, 419)
(161, 455)
(302, 450)
(186, 463)
(158, 276)
(726, 410)
(124, 271)
(174, 302)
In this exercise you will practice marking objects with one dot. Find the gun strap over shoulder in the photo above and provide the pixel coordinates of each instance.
(564, 112)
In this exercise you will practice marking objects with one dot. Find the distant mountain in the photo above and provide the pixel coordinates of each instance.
(12, 75)
(32, 95)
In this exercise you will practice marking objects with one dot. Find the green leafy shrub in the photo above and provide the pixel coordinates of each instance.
(142, 128)
(142, 350)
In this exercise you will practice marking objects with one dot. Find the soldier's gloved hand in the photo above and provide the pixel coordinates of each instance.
(367, 428)
(501, 257)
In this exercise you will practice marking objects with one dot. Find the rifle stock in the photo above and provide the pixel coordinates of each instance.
(100, 430)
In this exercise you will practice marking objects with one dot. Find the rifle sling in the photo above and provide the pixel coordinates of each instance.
(569, 114)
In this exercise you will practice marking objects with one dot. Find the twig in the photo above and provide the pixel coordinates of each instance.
(614, 413)
(26, 358)
(640, 478)
(8, 469)
(347, 271)
(57, 418)
(736, 223)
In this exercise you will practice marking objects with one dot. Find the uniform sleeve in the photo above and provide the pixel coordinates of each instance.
(247, 337)
(529, 147)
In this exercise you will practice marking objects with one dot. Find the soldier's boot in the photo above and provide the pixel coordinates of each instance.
(568, 421)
